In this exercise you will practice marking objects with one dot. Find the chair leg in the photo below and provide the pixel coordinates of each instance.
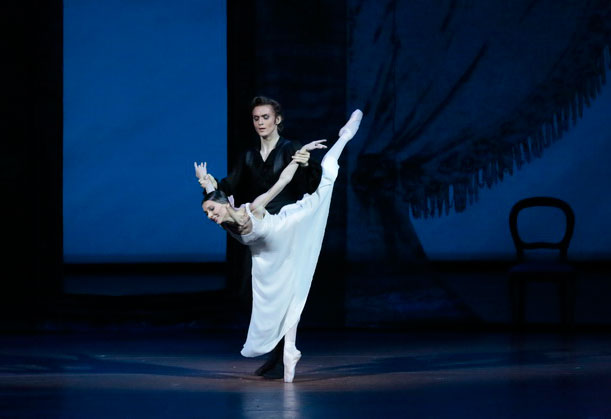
(566, 293)
(572, 296)
(517, 293)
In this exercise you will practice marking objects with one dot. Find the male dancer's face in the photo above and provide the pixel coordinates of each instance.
(264, 120)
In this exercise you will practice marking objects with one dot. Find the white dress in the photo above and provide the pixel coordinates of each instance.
(285, 249)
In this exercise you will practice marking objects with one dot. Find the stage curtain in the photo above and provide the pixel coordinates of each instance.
(457, 95)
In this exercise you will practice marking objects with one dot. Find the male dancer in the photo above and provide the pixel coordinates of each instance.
(254, 173)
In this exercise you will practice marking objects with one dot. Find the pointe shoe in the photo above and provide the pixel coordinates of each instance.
(352, 126)
(290, 359)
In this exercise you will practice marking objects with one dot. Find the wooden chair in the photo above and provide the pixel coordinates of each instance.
(558, 271)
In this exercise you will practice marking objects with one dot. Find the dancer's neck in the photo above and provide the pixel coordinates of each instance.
(268, 143)
(236, 216)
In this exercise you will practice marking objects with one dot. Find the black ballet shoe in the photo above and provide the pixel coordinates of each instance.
(276, 372)
(268, 365)
(275, 358)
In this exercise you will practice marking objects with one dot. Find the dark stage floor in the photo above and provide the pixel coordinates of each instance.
(195, 374)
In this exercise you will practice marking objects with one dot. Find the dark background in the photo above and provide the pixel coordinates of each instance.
(292, 51)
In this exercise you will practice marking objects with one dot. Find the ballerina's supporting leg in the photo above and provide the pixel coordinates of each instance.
(345, 134)
(291, 355)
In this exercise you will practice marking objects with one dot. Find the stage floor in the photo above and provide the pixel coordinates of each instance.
(353, 374)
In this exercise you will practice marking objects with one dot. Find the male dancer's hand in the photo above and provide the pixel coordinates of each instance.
(213, 181)
(205, 179)
(301, 157)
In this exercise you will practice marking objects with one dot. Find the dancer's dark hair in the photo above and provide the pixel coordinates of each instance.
(262, 101)
(215, 196)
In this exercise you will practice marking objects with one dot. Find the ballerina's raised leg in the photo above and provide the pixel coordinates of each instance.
(345, 134)
(291, 354)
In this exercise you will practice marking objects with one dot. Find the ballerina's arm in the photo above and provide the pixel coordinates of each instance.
(205, 179)
(258, 205)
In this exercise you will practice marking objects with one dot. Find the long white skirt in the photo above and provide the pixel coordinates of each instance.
(285, 249)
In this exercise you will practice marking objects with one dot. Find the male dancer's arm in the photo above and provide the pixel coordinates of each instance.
(259, 204)
(235, 179)
(307, 178)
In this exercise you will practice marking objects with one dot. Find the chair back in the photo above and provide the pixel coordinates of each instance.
(542, 201)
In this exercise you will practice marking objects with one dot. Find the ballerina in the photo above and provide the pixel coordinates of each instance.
(253, 173)
(284, 246)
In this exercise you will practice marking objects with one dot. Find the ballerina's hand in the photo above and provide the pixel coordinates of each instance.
(206, 180)
(314, 145)
(200, 170)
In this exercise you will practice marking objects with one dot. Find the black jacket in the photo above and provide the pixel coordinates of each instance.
(252, 176)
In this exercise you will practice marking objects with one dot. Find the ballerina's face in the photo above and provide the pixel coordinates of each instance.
(215, 211)
(265, 120)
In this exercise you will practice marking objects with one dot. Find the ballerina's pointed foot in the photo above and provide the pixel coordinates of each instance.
(352, 126)
(290, 359)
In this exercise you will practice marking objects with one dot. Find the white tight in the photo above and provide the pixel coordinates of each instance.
(345, 134)
(290, 337)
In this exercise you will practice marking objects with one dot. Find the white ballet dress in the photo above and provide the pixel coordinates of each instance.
(285, 249)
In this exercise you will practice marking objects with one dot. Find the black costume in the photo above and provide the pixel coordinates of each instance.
(252, 176)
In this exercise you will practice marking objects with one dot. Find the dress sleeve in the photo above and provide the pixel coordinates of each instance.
(306, 178)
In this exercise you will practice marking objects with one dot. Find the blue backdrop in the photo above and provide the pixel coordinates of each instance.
(144, 96)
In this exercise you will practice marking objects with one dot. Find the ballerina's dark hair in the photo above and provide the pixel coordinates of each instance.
(262, 101)
(215, 196)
